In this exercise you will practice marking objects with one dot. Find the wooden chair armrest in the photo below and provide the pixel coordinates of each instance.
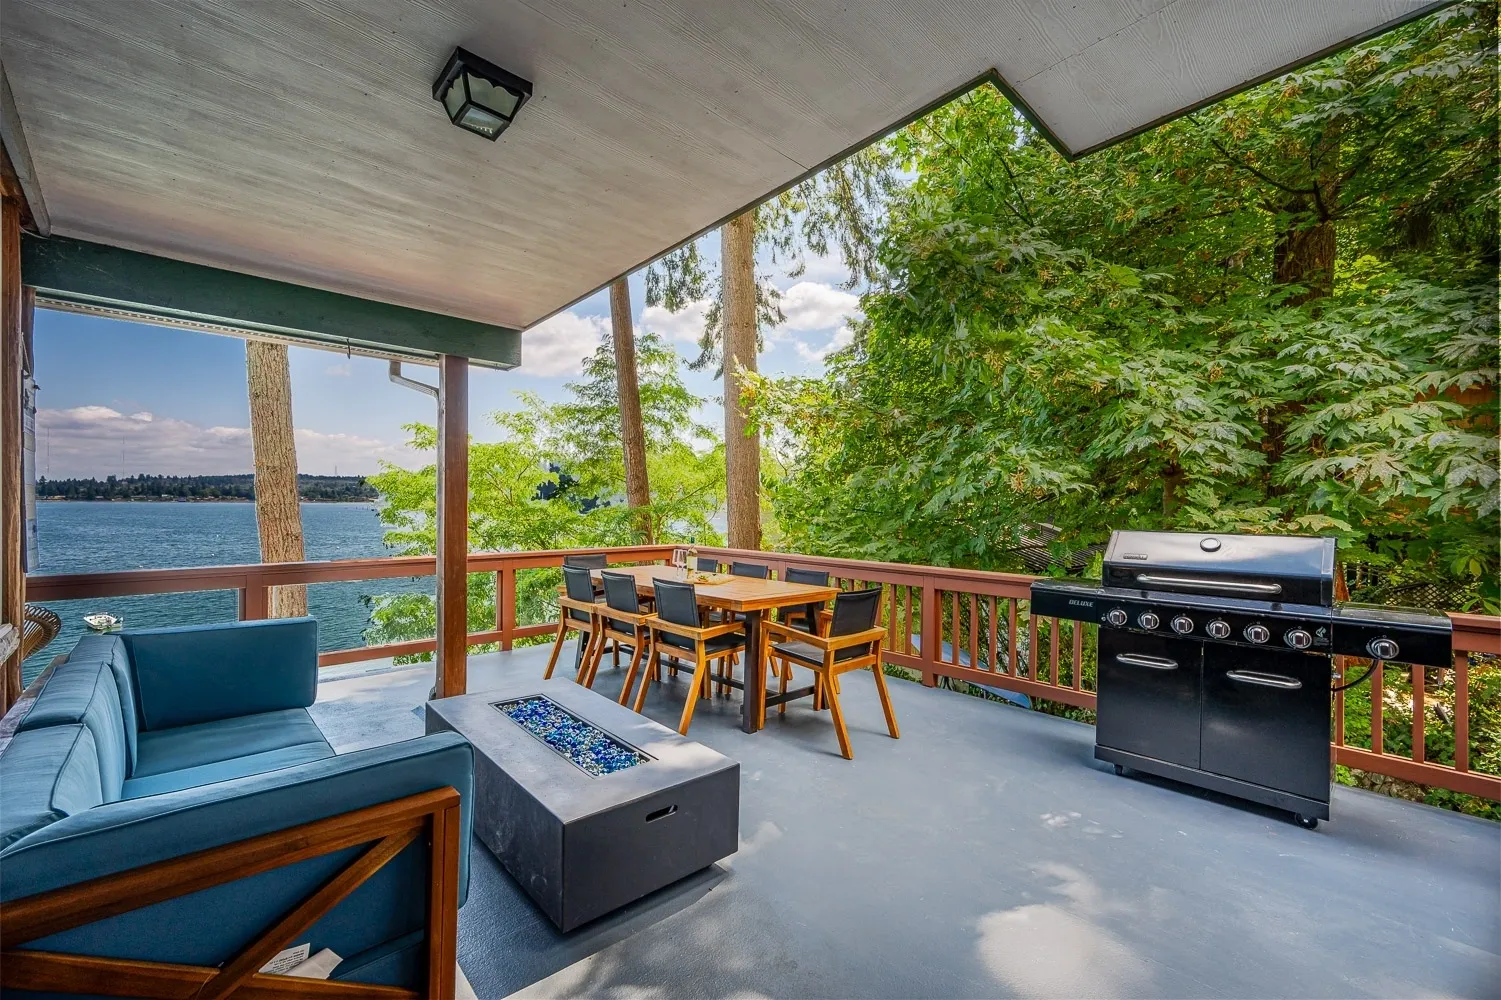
(690, 632)
(773, 629)
(634, 617)
(590, 607)
(830, 642)
(874, 634)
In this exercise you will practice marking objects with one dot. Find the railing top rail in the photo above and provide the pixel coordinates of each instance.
(61, 586)
(1472, 632)
(868, 569)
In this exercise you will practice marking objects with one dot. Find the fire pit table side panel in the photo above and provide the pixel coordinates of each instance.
(582, 844)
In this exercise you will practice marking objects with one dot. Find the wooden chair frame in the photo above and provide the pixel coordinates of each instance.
(567, 623)
(388, 828)
(637, 639)
(826, 674)
(701, 659)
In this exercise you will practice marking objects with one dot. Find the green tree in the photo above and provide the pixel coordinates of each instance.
(1123, 341)
(553, 480)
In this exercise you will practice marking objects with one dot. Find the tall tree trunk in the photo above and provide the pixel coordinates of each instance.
(1304, 255)
(632, 433)
(276, 503)
(742, 446)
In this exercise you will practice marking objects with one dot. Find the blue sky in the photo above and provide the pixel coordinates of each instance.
(118, 398)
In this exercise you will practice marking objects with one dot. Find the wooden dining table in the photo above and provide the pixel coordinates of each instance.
(747, 596)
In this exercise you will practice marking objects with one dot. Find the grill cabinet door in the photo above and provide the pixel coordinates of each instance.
(1266, 718)
(1149, 696)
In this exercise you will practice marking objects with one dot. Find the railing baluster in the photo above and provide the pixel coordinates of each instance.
(1461, 711)
(255, 602)
(1378, 702)
(907, 600)
(1053, 651)
(974, 633)
(954, 639)
(1011, 651)
(992, 660)
(1418, 711)
(931, 623)
(1078, 629)
(1033, 656)
(891, 636)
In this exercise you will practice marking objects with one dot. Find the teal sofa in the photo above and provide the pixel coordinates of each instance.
(185, 760)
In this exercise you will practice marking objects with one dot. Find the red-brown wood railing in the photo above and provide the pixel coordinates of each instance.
(982, 631)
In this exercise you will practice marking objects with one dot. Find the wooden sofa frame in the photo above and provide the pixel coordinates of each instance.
(388, 828)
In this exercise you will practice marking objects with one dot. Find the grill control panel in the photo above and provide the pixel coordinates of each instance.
(1398, 634)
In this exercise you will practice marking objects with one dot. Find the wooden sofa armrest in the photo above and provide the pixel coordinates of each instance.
(387, 829)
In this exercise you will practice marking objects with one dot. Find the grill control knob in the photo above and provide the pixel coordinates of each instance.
(1382, 648)
(1218, 629)
(1116, 617)
(1148, 620)
(1257, 633)
(1297, 638)
(1183, 624)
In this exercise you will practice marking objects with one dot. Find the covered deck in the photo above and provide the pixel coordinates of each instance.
(984, 854)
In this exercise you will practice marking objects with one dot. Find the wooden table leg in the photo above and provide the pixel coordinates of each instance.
(755, 677)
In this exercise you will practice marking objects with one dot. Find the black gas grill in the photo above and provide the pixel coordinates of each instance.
(1214, 658)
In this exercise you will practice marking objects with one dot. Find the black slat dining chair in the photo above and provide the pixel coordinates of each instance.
(625, 624)
(805, 616)
(706, 564)
(755, 570)
(578, 611)
(853, 643)
(675, 628)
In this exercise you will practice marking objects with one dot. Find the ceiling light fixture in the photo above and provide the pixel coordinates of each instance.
(478, 95)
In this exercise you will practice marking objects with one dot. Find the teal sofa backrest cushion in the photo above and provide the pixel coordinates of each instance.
(110, 651)
(83, 693)
(185, 676)
(47, 775)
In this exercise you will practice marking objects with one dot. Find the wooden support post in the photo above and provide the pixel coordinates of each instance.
(932, 629)
(12, 571)
(453, 525)
(505, 606)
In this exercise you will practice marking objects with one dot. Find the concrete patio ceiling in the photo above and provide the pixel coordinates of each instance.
(298, 139)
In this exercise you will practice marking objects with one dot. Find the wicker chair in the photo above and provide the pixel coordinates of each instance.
(41, 627)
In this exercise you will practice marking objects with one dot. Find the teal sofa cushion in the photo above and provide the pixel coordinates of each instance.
(130, 833)
(110, 651)
(48, 775)
(198, 674)
(224, 770)
(225, 739)
(85, 694)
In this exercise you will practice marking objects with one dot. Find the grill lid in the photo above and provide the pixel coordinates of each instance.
(1277, 568)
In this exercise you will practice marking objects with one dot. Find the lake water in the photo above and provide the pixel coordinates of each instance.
(83, 537)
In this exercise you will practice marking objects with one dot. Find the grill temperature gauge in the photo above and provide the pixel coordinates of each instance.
(1116, 617)
(1218, 629)
(1148, 620)
(1183, 624)
(1257, 633)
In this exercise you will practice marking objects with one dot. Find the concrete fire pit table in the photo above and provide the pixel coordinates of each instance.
(587, 804)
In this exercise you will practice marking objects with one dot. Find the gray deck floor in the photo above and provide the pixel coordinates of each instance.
(986, 854)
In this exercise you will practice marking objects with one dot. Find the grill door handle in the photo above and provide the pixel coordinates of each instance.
(1197, 583)
(1143, 660)
(1264, 680)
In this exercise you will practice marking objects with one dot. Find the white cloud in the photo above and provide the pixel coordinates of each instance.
(813, 305)
(843, 337)
(686, 325)
(559, 345)
(340, 370)
(98, 441)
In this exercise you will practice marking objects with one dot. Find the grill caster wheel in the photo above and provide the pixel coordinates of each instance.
(1306, 822)
(1120, 769)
